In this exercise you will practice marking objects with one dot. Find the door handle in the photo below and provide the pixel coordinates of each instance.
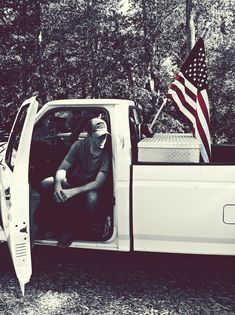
(24, 230)
(7, 193)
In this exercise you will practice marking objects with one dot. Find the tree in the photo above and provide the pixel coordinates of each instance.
(92, 49)
(18, 27)
(190, 27)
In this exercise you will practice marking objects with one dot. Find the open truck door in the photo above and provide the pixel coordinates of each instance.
(15, 191)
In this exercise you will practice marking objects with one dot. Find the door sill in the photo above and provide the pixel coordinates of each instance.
(110, 244)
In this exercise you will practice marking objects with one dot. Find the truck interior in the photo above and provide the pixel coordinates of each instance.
(52, 137)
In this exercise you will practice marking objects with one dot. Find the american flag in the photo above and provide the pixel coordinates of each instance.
(189, 93)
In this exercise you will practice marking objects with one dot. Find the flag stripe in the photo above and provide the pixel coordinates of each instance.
(189, 90)
(203, 121)
(189, 100)
(203, 151)
(202, 136)
(188, 84)
(180, 106)
(182, 99)
(203, 107)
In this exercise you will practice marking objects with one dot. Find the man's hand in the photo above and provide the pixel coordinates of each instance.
(60, 181)
(63, 192)
(58, 196)
(62, 195)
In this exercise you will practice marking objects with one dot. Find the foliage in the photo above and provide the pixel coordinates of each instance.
(94, 48)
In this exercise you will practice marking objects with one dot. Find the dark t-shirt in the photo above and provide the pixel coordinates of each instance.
(85, 166)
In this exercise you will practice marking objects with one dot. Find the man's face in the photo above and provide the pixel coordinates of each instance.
(99, 142)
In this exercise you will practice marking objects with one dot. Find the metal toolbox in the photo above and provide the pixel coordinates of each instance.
(169, 148)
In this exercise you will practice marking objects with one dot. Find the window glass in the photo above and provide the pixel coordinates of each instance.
(68, 125)
(15, 137)
(56, 123)
(134, 131)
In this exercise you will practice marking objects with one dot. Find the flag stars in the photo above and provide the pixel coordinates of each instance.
(196, 69)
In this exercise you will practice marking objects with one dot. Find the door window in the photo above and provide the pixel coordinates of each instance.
(12, 148)
(53, 136)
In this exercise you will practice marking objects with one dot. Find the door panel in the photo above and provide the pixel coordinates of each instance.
(15, 191)
(179, 208)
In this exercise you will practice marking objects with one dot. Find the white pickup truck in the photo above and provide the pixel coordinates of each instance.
(171, 205)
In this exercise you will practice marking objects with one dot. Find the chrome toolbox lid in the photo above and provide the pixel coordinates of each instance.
(170, 140)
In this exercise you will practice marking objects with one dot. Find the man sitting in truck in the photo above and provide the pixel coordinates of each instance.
(78, 184)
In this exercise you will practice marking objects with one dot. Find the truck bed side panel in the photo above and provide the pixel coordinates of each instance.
(184, 208)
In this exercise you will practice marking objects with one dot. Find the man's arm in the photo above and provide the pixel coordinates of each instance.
(60, 177)
(94, 185)
(68, 161)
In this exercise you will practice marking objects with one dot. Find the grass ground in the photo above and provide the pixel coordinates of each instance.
(96, 282)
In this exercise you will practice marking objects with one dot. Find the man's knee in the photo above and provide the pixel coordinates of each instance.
(47, 184)
(92, 199)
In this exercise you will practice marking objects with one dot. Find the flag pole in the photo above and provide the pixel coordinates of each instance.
(158, 113)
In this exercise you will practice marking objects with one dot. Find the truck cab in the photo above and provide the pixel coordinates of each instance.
(153, 205)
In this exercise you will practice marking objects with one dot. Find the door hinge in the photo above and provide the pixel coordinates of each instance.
(7, 193)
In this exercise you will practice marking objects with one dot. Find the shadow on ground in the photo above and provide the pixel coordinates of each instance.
(75, 281)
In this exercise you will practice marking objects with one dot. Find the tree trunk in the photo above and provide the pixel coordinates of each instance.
(146, 40)
(190, 27)
(38, 13)
(23, 31)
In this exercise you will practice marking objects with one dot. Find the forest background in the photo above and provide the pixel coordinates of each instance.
(115, 49)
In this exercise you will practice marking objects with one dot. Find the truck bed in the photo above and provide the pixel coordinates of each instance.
(184, 208)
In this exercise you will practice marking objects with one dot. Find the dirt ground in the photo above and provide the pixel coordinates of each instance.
(96, 282)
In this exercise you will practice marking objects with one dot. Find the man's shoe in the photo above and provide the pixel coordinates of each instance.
(107, 227)
(65, 240)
